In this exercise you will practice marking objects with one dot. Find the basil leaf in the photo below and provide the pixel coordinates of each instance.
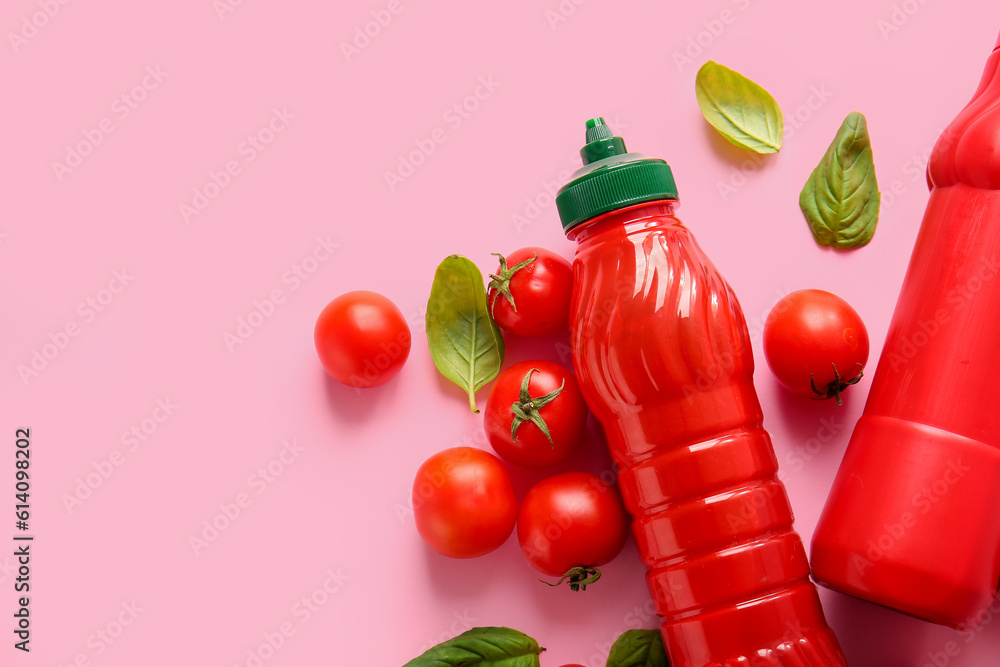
(482, 647)
(638, 648)
(465, 342)
(841, 199)
(742, 111)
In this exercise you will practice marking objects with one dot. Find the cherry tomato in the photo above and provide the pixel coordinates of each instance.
(571, 523)
(362, 339)
(535, 414)
(463, 502)
(530, 293)
(815, 344)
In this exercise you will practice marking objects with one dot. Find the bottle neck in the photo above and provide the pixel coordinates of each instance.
(964, 153)
(629, 218)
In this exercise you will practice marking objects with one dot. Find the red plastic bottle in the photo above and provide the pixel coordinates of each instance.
(913, 519)
(662, 353)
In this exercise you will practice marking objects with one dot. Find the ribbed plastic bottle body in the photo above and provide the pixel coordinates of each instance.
(911, 521)
(662, 352)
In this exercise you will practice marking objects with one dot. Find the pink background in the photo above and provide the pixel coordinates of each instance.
(336, 124)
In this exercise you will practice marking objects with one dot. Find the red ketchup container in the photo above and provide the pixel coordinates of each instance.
(662, 353)
(913, 519)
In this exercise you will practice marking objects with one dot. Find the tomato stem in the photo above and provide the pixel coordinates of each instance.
(501, 281)
(839, 384)
(579, 578)
(526, 408)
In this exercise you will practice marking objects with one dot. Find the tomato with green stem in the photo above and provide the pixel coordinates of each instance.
(569, 525)
(535, 414)
(529, 295)
(815, 344)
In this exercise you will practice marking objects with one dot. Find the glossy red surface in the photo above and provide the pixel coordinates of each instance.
(912, 521)
(663, 357)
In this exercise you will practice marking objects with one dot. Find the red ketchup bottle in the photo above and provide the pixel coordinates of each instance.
(913, 519)
(662, 353)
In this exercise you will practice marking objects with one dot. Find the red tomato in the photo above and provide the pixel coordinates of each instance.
(530, 293)
(463, 502)
(362, 339)
(569, 524)
(815, 343)
(535, 414)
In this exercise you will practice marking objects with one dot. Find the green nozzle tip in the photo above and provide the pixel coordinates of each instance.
(597, 129)
(601, 143)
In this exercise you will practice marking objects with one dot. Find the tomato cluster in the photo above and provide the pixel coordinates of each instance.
(464, 502)
(463, 499)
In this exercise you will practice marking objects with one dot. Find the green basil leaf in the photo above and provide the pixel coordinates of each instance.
(638, 648)
(483, 647)
(465, 342)
(742, 111)
(841, 199)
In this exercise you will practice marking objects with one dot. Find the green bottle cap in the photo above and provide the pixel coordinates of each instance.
(611, 178)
